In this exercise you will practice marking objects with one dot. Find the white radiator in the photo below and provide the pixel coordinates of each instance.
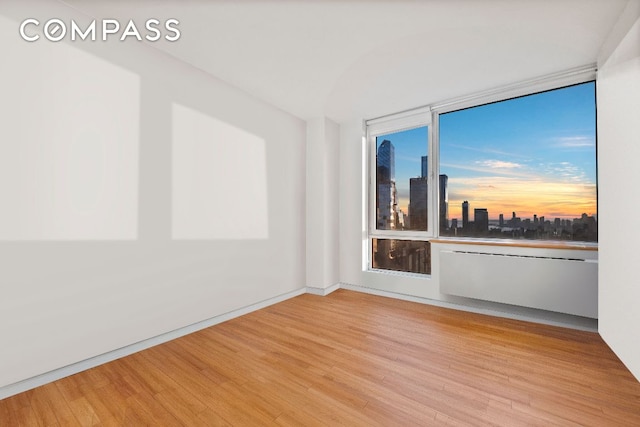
(565, 285)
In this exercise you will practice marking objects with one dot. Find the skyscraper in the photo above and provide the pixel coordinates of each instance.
(425, 167)
(481, 219)
(418, 203)
(386, 162)
(386, 196)
(444, 203)
(465, 215)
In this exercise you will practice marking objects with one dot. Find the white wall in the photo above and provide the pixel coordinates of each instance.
(105, 240)
(619, 206)
(322, 216)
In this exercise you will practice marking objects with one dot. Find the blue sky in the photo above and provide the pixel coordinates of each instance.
(531, 155)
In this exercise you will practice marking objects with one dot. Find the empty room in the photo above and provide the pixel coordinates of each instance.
(361, 212)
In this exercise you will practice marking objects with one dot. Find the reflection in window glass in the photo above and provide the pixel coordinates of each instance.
(402, 255)
(401, 180)
(522, 168)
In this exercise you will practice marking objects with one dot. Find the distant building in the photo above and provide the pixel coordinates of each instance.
(444, 203)
(425, 167)
(386, 162)
(387, 206)
(418, 203)
(501, 220)
(401, 219)
(465, 215)
(386, 195)
(514, 221)
(481, 219)
(407, 255)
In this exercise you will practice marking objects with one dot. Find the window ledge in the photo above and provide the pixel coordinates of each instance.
(542, 244)
(399, 273)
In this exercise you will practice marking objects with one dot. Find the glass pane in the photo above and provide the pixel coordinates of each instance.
(401, 180)
(524, 168)
(402, 255)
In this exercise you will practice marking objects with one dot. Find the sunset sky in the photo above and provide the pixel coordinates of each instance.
(530, 155)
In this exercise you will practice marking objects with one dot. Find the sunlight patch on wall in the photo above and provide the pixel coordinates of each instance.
(219, 179)
(69, 143)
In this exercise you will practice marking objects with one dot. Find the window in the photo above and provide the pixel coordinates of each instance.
(401, 180)
(400, 193)
(514, 163)
(524, 168)
(413, 256)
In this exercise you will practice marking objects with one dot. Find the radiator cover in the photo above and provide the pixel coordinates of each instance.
(565, 285)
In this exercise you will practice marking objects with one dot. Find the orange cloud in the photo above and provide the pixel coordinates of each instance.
(525, 198)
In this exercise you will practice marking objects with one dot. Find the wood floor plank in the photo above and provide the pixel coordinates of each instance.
(146, 408)
(27, 417)
(294, 418)
(83, 411)
(109, 403)
(59, 406)
(43, 406)
(209, 418)
(349, 359)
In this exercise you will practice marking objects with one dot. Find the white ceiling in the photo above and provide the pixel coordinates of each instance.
(355, 59)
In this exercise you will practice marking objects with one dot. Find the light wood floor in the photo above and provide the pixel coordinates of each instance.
(349, 359)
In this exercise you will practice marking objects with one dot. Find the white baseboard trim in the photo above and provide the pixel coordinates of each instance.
(29, 383)
(323, 291)
(83, 365)
(528, 315)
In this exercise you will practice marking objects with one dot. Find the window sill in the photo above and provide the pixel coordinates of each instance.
(542, 244)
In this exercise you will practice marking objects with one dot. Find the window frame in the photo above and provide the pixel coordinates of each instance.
(392, 124)
(429, 116)
(399, 122)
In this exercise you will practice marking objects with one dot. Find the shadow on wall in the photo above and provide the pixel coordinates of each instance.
(70, 157)
(219, 179)
(69, 152)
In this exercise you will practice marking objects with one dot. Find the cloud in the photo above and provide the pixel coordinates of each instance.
(567, 171)
(578, 141)
(525, 197)
(496, 170)
(488, 169)
(499, 164)
(486, 150)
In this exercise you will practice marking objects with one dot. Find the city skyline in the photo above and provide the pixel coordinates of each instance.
(534, 155)
(409, 146)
